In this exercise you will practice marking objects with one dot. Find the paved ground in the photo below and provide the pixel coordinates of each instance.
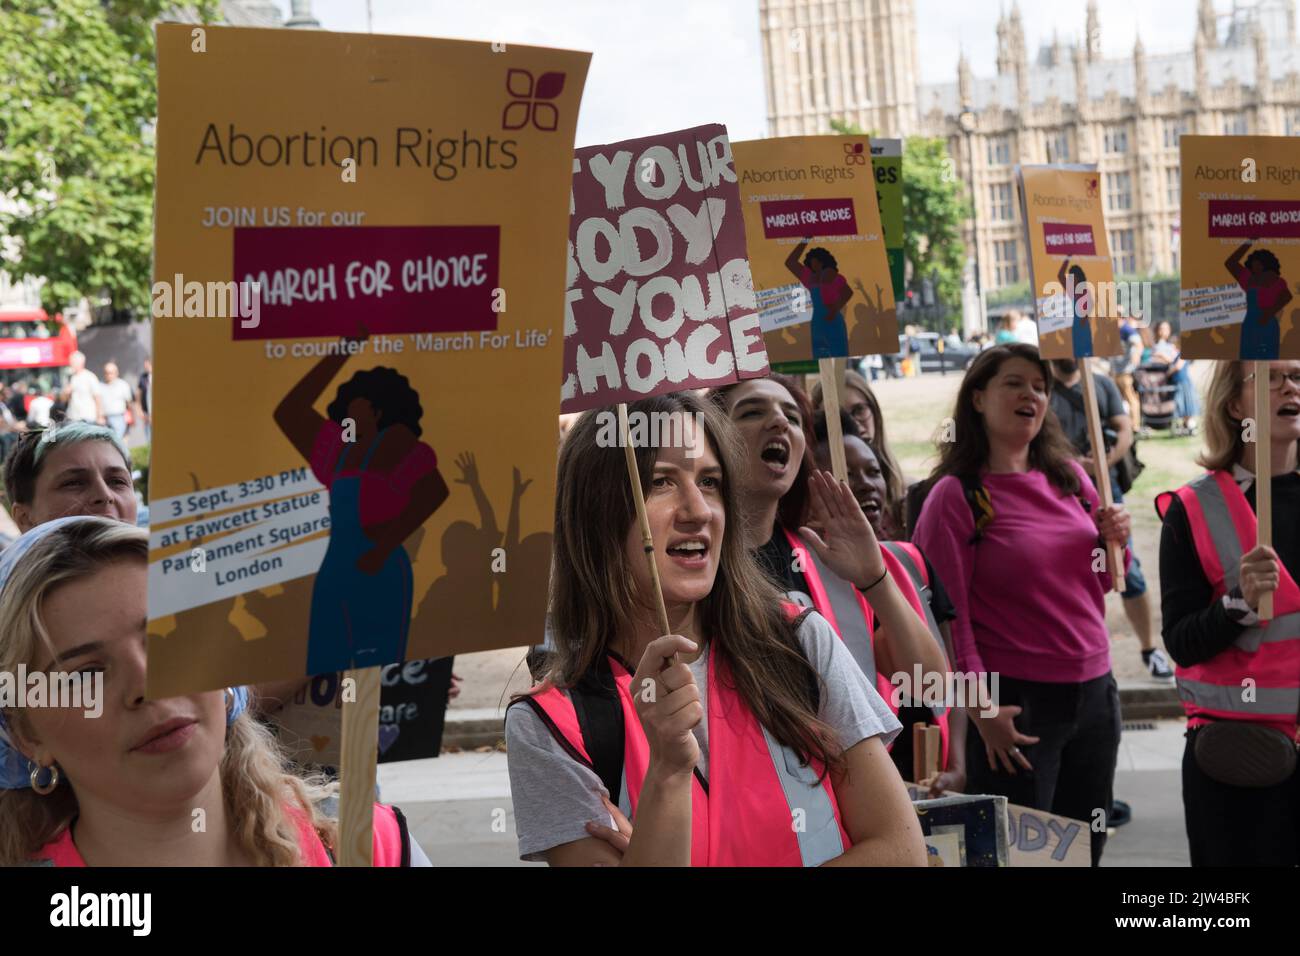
(460, 811)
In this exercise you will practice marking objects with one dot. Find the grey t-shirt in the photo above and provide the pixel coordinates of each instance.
(555, 796)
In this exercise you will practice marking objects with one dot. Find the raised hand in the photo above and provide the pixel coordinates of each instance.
(468, 469)
(520, 486)
(846, 544)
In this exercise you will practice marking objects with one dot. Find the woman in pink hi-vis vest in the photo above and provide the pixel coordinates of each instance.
(1238, 675)
(126, 781)
(746, 736)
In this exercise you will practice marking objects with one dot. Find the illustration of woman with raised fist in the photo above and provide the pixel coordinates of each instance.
(820, 275)
(383, 484)
(1266, 296)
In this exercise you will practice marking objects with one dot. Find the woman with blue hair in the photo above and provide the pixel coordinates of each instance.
(115, 779)
(75, 468)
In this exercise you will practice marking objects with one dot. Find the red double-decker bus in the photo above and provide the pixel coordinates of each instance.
(34, 347)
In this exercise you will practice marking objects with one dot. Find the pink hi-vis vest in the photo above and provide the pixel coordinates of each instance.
(760, 806)
(1267, 655)
(848, 612)
(388, 846)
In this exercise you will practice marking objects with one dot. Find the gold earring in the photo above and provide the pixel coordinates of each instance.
(49, 787)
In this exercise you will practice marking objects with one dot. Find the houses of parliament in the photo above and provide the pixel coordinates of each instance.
(857, 60)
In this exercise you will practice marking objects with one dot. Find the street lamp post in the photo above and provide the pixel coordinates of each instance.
(966, 119)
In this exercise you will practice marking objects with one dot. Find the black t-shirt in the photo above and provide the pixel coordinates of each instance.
(1074, 422)
(1196, 627)
(777, 559)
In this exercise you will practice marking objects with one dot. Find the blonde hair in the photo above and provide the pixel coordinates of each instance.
(1223, 433)
(1224, 442)
(263, 801)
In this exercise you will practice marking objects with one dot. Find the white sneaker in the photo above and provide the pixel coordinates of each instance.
(1158, 666)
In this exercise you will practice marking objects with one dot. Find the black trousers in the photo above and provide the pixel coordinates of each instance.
(1239, 826)
(1078, 727)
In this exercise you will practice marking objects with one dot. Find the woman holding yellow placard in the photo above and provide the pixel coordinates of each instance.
(1238, 675)
(1028, 578)
(746, 738)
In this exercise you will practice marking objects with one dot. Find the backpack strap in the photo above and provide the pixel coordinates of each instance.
(404, 832)
(600, 716)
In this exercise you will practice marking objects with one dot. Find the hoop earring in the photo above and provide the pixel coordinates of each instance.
(49, 787)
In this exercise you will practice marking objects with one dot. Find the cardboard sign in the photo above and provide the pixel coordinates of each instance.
(1033, 837)
(816, 246)
(659, 292)
(887, 164)
(356, 279)
(1240, 253)
(412, 712)
(1038, 838)
(1076, 298)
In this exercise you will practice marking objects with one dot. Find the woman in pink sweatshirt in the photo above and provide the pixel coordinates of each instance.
(1028, 580)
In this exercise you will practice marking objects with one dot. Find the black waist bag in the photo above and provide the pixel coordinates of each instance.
(1244, 754)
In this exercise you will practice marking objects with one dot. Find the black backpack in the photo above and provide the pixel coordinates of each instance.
(1128, 468)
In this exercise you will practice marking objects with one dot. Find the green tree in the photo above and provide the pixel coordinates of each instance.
(934, 207)
(78, 101)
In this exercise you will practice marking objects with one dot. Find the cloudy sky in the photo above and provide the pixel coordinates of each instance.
(669, 64)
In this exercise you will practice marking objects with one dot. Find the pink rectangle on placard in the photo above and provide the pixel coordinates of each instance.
(1066, 239)
(1254, 219)
(800, 218)
(318, 282)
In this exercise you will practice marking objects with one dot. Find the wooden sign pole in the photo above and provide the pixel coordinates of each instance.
(831, 406)
(647, 539)
(1263, 474)
(1114, 552)
(358, 755)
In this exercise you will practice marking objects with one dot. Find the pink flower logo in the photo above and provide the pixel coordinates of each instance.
(529, 100)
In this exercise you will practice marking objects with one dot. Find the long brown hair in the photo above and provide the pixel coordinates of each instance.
(792, 512)
(968, 454)
(593, 591)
